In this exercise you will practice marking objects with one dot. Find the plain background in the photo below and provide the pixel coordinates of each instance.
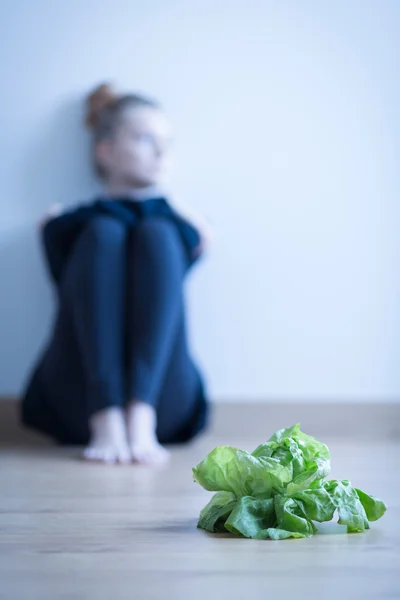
(288, 138)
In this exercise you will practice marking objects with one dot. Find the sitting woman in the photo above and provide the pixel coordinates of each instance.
(117, 374)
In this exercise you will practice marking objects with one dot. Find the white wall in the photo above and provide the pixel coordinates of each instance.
(287, 119)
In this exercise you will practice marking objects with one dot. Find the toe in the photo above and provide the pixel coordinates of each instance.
(109, 455)
(90, 453)
(155, 457)
(123, 456)
(161, 455)
(149, 455)
(140, 456)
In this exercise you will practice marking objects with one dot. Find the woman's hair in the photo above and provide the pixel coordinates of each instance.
(106, 108)
(105, 112)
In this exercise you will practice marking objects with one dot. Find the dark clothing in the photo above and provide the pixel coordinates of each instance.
(60, 234)
(120, 331)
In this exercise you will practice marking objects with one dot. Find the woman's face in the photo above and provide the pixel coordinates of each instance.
(138, 155)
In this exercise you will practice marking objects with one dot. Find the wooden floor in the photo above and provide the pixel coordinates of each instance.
(70, 530)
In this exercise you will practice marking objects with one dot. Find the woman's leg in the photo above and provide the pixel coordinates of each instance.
(181, 408)
(94, 288)
(54, 400)
(76, 392)
(157, 268)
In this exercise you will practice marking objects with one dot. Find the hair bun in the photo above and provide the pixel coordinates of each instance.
(102, 97)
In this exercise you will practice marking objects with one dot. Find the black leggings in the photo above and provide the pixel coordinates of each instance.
(119, 335)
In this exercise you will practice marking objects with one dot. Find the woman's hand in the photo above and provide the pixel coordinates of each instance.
(205, 232)
(199, 223)
(52, 212)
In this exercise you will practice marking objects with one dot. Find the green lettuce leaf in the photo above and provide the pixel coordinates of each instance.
(251, 516)
(215, 513)
(374, 508)
(232, 470)
(275, 533)
(290, 517)
(350, 510)
(286, 452)
(309, 445)
(314, 470)
(308, 458)
(316, 504)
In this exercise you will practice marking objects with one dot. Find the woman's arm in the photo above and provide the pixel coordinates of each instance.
(59, 229)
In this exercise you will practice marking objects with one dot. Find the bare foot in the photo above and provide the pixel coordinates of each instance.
(108, 442)
(141, 425)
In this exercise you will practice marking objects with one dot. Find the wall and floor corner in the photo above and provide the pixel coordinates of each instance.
(287, 139)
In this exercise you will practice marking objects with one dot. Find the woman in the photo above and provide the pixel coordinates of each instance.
(117, 374)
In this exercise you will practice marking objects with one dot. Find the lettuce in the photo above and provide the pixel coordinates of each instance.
(279, 490)
(215, 513)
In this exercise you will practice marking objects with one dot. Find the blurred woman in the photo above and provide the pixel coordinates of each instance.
(117, 373)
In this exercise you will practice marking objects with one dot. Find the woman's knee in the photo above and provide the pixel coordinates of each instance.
(99, 250)
(159, 236)
(105, 231)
